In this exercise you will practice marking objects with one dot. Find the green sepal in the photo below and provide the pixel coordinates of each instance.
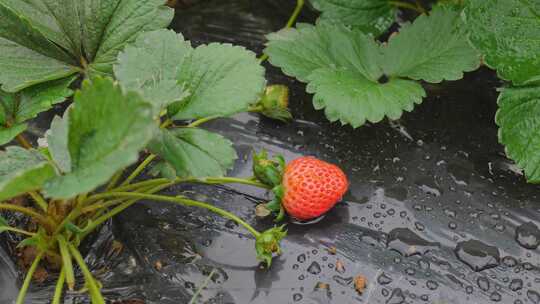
(275, 103)
(281, 214)
(268, 244)
(268, 172)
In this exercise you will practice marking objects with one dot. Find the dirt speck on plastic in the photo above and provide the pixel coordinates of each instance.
(435, 212)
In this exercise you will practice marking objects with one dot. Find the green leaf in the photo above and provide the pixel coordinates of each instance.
(17, 108)
(150, 66)
(28, 103)
(131, 18)
(518, 119)
(21, 67)
(352, 99)
(22, 171)
(356, 79)
(194, 152)
(40, 17)
(507, 32)
(95, 15)
(434, 48)
(43, 40)
(106, 131)
(370, 16)
(222, 80)
(20, 31)
(163, 169)
(57, 140)
(342, 68)
(8, 134)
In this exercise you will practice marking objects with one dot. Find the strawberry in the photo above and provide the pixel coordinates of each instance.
(312, 187)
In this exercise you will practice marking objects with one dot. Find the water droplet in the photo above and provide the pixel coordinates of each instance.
(452, 225)
(410, 271)
(432, 285)
(301, 258)
(528, 235)
(419, 226)
(469, 289)
(408, 243)
(423, 264)
(477, 255)
(516, 284)
(495, 297)
(533, 296)
(342, 281)
(314, 268)
(483, 283)
(509, 261)
(383, 279)
(424, 298)
(297, 297)
(397, 297)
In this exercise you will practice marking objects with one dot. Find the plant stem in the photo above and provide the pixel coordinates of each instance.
(199, 122)
(139, 169)
(114, 180)
(66, 261)
(23, 141)
(204, 284)
(17, 230)
(27, 211)
(91, 283)
(290, 22)
(103, 218)
(164, 181)
(28, 278)
(408, 6)
(188, 202)
(39, 200)
(59, 287)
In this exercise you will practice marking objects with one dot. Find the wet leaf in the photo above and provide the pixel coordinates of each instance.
(106, 131)
(518, 119)
(44, 40)
(433, 48)
(22, 171)
(194, 152)
(356, 79)
(222, 80)
(150, 66)
(507, 33)
(17, 108)
(370, 16)
(352, 99)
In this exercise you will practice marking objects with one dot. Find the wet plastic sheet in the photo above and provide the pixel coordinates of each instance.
(432, 214)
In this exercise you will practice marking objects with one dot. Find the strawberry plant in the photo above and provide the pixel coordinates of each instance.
(356, 77)
(145, 91)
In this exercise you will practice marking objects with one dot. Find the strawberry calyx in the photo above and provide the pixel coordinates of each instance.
(274, 103)
(268, 171)
(267, 243)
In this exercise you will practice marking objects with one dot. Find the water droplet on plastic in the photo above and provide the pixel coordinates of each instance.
(528, 235)
(483, 283)
(397, 297)
(533, 296)
(383, 279)
(495, 297)
(342, 281)
(408, 243)
(314, 268)
(301, 258)
(477, 255)
(297, 297)
(516, 284)
(432, 285)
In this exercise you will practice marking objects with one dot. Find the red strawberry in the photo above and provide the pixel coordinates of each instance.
(312, 187)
